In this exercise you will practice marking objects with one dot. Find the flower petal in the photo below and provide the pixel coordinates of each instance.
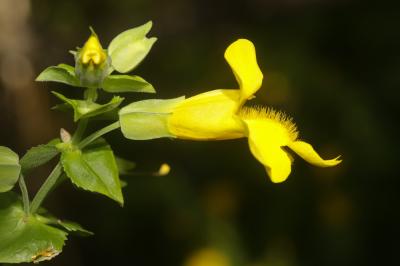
(92, 51)
(307, 152)
(266, 139)
(277, 162)
(241, 56)
(207, 116)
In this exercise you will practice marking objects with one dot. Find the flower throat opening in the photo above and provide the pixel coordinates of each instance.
(267, 113)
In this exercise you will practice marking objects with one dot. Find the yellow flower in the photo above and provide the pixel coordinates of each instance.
(92, 64)
(92, 52)
(219, 114)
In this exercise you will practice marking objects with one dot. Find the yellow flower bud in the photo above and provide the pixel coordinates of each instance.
(92, 52)
(92, 62)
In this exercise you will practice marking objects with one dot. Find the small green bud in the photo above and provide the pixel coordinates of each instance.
(65, 136)
(92, 62)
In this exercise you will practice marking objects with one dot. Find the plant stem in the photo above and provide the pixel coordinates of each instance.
(25, 195)
(91, 94)
(79, 130)
(46, 187)
(98, 134)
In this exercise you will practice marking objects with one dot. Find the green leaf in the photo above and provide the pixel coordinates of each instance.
(25, 239)
(62, 73)
(94, 169)
(74, 227)
(125, 167)
(69, 226)
(85, 109)
(125, 83)
(39, 155)
(130, 47)
(9, 169)
(147, 119)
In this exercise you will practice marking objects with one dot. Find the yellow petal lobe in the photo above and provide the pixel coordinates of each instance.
(267, 135)
(241, 56)
(207, 116)
(277, 162)
(307, 152)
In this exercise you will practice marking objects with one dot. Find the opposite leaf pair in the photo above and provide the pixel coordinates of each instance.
(93, 68)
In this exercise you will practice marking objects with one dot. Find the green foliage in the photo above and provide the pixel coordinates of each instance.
(130, 47)
(62, 73)
(9, 169)
(147, 119)
(72, 227)
(69, 226)
(125, 83)
(88, 108)
(27, 232)
(25, 238)
(39, 155)
(94, 169)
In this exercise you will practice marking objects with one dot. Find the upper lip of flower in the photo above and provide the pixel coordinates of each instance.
(241, 56)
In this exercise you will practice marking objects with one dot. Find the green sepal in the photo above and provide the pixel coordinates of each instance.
(130, 47)
(39, 155)
(85, 109)
(10, 169)
(25, 238)
(94, 169)
(62, 73)
(126, 83)
(147, 119)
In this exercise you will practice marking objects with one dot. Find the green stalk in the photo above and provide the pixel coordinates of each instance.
(91, 94)
(80, 130)
(98, 134)
(25, 195)
(46, 187)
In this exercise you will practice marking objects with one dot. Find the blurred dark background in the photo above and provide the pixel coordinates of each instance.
(332, 65)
